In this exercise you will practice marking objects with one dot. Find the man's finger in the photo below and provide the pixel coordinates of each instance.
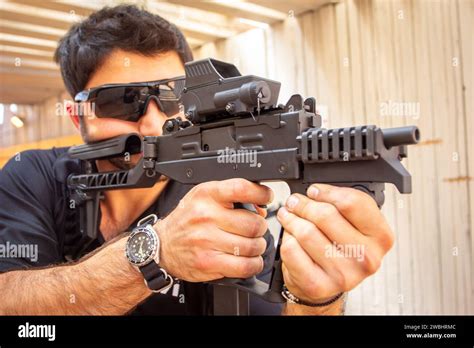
(326, 217)
(242, 222)
(231, 266)
(240, 191)
(344, 263)
(315, 243)
(237, 245)
(308, 278)
(307, 234)
(348, 202)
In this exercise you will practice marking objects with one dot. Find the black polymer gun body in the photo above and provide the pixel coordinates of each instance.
(229, 117)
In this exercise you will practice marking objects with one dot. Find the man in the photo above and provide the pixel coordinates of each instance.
(199, 230)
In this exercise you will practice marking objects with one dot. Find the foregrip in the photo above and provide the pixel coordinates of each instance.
(373, 189)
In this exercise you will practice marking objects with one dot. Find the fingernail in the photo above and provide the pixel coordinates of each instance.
(313, 192)
(282, 213)
(291, 202)
(272, 196)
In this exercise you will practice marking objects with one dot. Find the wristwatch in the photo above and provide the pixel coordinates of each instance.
(143, 252)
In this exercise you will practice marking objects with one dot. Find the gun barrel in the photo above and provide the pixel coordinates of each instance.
(400, 136)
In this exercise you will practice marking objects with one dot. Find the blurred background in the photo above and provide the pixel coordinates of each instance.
(383, 62)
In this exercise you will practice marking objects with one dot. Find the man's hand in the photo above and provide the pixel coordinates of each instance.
(334, 239)
(204, 238)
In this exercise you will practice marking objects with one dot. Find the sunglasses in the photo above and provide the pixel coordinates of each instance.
(129, 101)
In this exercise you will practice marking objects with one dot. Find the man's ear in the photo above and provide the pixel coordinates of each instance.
(72, 114)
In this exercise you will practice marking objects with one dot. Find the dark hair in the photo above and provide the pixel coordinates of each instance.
(85, 46)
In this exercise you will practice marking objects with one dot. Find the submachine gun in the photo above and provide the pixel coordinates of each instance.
(229, 115)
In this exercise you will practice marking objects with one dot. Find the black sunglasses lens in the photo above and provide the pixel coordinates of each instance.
(128, 102)
(123, 103)
(170, 108)
(169, 95)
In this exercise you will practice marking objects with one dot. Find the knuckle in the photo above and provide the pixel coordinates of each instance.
(365, 199)
(339, 279)
(262, 245)
(238, 187)
(200, 212)
(258, 226)
(192, 192)
(386, 240)
(306, 233)
(250, 227)
(287, 249)
(203, 262)
(287, 220)
(255, 247)
(349, 201)
(198, 189)
(261, 265)
(252, 248)
(254, 227)
(307, 207)
(248, 268)
(204, 189)
(370, 263)
(326, 213)
(312, 186)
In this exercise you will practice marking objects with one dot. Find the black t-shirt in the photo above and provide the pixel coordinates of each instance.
(37, 217)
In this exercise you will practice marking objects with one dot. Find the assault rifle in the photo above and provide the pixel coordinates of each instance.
(229, 115)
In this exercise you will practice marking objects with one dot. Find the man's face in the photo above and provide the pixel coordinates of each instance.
(127, 67)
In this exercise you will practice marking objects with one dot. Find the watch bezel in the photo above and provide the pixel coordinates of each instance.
(149, 231)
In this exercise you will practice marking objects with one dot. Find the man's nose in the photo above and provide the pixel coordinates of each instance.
(152, 121)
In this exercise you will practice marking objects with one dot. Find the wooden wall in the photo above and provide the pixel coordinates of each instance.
(364, 61)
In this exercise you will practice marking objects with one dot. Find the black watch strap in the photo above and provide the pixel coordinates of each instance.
(155, 277)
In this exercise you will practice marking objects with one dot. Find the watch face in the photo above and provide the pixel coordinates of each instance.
(141, 247)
